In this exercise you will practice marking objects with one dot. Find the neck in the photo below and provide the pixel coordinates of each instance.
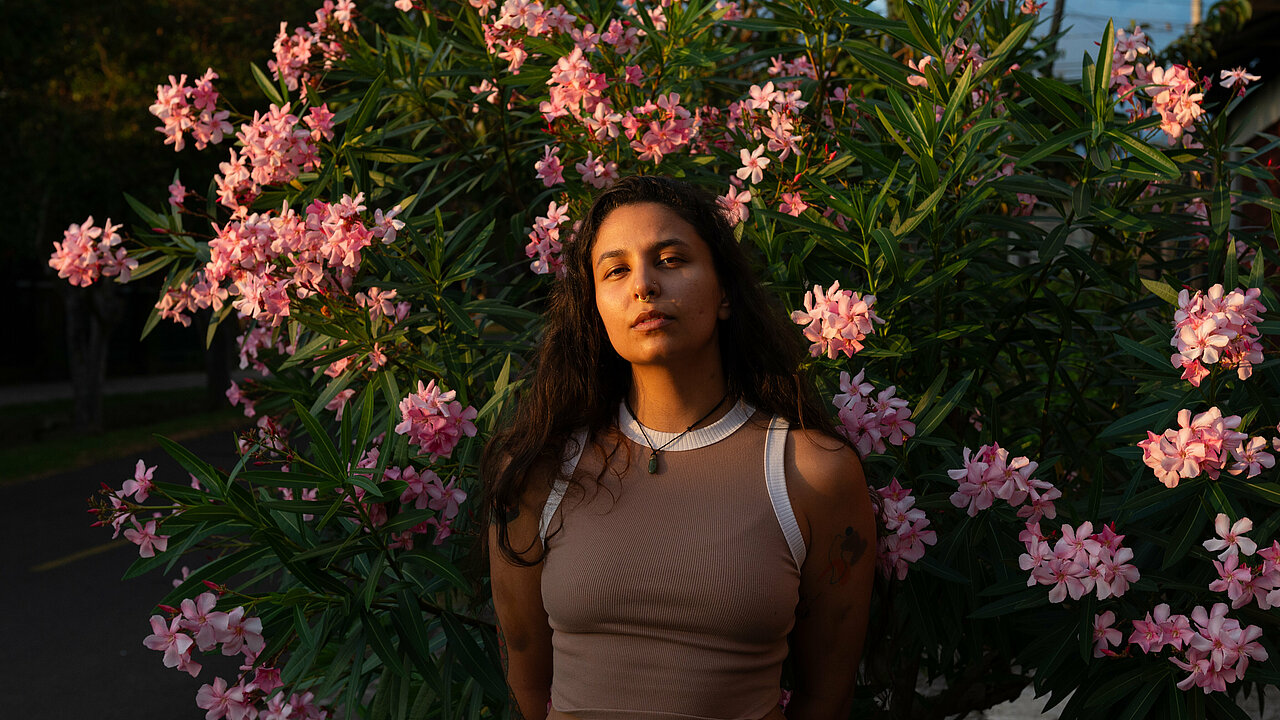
(670, 399)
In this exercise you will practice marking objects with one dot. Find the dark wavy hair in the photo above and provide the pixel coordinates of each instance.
(578, 379)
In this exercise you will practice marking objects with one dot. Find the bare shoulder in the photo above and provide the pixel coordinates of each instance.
(824, 478)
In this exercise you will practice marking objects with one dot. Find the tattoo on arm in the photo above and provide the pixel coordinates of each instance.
(515, 713)
(845, 551)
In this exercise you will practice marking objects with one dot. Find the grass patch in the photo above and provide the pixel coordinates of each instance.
(37, 439)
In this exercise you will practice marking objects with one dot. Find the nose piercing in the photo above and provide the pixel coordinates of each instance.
(648, 296)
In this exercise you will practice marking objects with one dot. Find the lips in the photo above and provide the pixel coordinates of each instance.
(649, 318)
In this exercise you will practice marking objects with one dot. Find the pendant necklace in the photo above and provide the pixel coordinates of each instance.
(653, 451)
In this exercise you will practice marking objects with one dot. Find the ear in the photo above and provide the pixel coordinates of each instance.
(723, 312)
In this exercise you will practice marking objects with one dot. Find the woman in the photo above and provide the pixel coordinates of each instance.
(659, 536)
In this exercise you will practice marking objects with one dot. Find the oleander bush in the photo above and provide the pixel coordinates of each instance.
(1044, 312)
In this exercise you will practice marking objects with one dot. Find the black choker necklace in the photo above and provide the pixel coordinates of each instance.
(653, 451)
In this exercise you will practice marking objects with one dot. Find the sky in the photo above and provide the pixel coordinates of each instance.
(1162, 20)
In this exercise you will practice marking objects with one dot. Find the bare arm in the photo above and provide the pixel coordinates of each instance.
(524, 634)
(830, 494)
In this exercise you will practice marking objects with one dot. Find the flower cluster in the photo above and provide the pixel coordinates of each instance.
(870, 419)
(836, 321)
(293, 60)
(909, 528)
(276, 147)
(1200, 444)
(544, 241)
(1217, 327)
(1174, 93)
(1217, 648)
(1081, 561)
(434, 420)
(504, 35)
(1241, 581)
(87, 253)
(190, 109)
(989, 474)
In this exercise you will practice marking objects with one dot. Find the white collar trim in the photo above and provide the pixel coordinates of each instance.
(701, 437)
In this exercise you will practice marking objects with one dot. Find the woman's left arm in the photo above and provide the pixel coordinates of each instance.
(829, 494)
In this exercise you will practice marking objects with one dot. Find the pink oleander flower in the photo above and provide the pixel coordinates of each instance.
(548, 169)
(185, 109)
(177, 193)
(175, 645)
(87, 253)
(140, 486)
(145, 537)
(222, 701)
(1251, 457)
(1237, 78)
(837, 321)
(238, 633)
(1199, 445)
(445, 497)
(434, 420)
(1231, 539)
(753, 164)
(871, 421)
(910, 529)
(197, 616)
(736, 203)
(793, 204)
(1104, 636)
(919, 79)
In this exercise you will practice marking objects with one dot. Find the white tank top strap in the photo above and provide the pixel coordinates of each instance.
(572, 453)
(775, 475)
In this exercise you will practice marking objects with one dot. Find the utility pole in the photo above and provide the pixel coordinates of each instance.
(1195, 13)
(1059, 7)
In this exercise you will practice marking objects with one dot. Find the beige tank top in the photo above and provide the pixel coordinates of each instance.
(671, 595)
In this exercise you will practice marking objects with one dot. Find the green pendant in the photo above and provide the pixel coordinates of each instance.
(653, 463)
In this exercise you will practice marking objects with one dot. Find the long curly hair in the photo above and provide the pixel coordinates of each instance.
(578, 379)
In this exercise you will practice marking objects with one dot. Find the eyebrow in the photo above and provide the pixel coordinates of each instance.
(657, 247)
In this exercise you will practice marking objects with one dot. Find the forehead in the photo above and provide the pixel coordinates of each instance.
(639, 226)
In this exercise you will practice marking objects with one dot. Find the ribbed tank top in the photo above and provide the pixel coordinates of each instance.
(671, 595)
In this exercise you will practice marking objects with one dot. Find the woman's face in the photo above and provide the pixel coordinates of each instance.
(656, 286)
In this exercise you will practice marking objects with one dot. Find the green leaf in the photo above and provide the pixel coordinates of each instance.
(1124, 685)
(1267, 491)
(321, 446)
(889, 248)
(1029, 598)
(381, 641)
(473, 658)
(1144, 697)
(356, 126)
(265, 84)
(203, 471)
(1152, 417)
(1146, 154)
(1161, 290)
(1149, 355)
(1225, 708)
(1185, 534)
(1050, 95)
(948, 402)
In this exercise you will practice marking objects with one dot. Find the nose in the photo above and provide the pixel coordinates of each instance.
(645, 285)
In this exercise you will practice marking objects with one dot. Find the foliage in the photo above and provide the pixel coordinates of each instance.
(1016, 244)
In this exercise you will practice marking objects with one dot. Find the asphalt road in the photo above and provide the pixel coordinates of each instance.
(72, 628)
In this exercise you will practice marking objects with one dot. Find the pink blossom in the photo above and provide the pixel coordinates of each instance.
(141, 484)
(753, 164)
(237, 633)
(736, 204)
(793, 204)
(87, 253)
(404, 5)
(145, 537)
(175, 644)
(836, 320)
(177, 193)
(910, 529)
(434, 421)
(548, 169)
(1238, 78)
(1231, 539)
(919, 79)
(197, 618)
(1104, 636)
(1251, 458)
(221, 701)
(445, 498)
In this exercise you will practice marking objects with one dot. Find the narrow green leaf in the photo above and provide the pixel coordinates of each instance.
(1185, 533)
(321, 446)
(473, 658)
(1148, 355)
(1050, 96)
(1151, 417)
(1267, 491)
(1146, 154)
(1144, 697)
(889, 248)
(1029, 598)
(948, 402)
(267, 87)
(381, 641)
(1161, 290)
